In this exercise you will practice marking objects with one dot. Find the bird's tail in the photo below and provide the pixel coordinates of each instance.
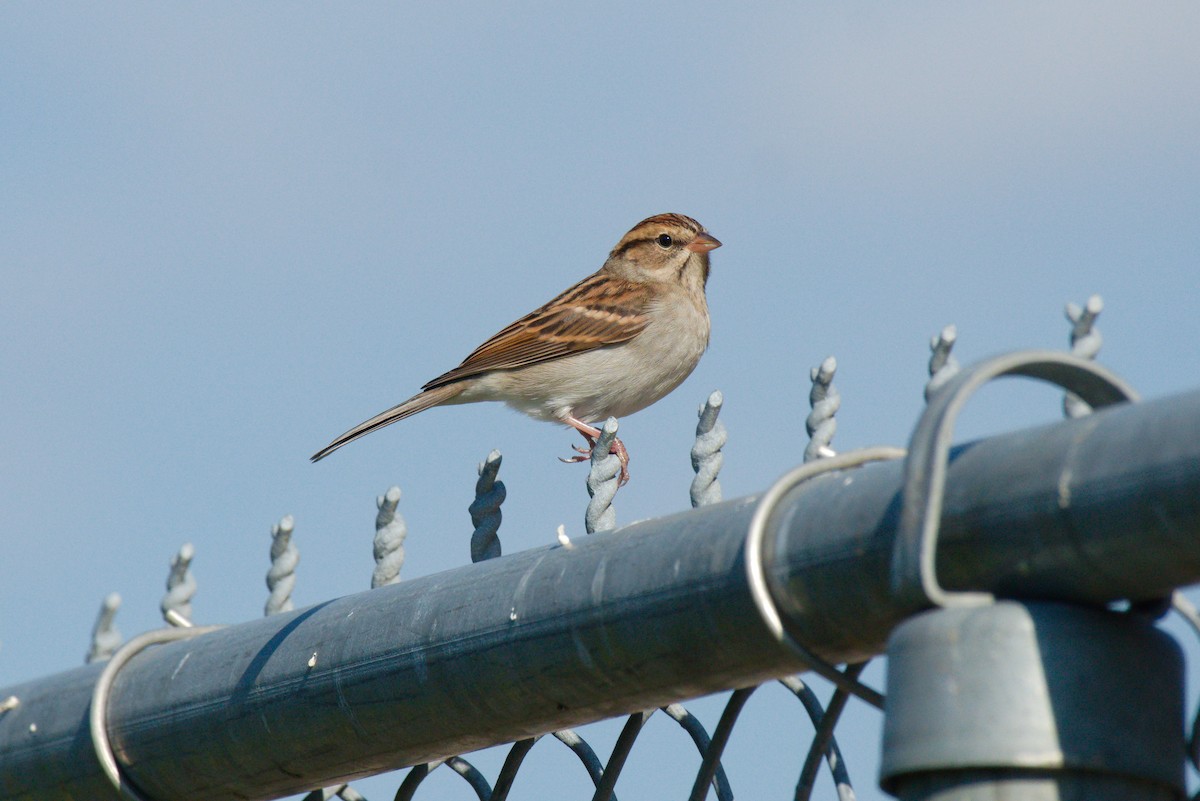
(417, 403)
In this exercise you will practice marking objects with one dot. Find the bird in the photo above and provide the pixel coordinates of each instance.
(608, 346)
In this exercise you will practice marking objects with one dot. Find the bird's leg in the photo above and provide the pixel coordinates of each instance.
(591, 433)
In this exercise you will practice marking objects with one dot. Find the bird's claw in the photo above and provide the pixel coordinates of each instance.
(617, 449)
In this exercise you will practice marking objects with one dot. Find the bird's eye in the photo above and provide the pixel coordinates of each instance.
(664, 241)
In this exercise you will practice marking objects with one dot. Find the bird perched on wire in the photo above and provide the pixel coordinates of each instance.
(609, 346)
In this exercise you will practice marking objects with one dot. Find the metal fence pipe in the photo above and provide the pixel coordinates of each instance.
(1094, 509)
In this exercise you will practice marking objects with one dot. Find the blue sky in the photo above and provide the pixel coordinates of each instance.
(231, 231)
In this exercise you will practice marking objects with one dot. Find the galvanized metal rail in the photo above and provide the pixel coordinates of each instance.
(1093, 510)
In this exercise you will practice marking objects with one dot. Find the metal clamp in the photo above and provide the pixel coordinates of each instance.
(914, 572)
(98, 712)
(756, 539)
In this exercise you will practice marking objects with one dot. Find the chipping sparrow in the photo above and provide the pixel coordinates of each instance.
(611, 345)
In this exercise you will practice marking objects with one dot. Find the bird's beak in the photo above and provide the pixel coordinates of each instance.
(703, 243)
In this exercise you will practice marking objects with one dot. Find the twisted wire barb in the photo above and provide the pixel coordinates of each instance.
(281, 577)
(485, 509)
(281, 580)
(821, 426)
(390, 531)
(942, 364)
(176, 605)
(825, 402)
(105, 637)
(602, 481)
(707, 457)
(1085, 343)
(485, 544)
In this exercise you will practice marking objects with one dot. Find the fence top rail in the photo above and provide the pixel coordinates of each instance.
(1092, 509)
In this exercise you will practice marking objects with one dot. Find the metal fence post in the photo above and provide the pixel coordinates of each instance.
(1030, 702)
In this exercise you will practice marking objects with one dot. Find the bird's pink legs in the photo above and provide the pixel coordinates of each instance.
(591, 433)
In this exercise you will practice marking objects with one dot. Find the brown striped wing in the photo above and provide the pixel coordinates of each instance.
(598, 311)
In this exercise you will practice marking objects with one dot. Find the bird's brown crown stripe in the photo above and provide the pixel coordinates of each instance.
(677, 219)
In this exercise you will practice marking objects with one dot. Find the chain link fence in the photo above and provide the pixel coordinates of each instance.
(922, 649)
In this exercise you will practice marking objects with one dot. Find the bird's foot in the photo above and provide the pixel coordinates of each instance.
(583, 454)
